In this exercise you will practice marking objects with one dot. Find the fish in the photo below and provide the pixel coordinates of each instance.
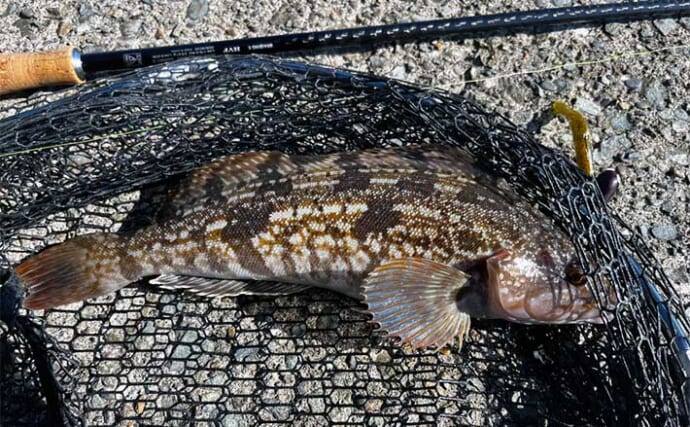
(421, 235)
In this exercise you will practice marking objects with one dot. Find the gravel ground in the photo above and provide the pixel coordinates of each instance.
(637, 104)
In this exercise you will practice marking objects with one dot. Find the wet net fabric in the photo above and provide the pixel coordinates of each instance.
(99, 158)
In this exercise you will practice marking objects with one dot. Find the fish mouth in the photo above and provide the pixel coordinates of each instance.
(544, 309)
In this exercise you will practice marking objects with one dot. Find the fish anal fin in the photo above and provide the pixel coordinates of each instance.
(225, 287)
(415, 299)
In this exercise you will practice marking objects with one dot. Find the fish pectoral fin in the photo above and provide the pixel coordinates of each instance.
(225, 287)
(415, 299)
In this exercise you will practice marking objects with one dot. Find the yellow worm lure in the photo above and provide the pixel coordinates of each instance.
(581, 136)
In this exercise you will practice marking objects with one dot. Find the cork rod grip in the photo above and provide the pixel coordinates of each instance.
(20, 71)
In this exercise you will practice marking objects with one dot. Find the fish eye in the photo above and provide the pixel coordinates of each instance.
(574, 275)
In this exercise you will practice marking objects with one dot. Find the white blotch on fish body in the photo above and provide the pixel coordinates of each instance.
(216, 225)
(385, 181)
(354, 208)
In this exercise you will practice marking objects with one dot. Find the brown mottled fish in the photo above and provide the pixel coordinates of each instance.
(421, 236)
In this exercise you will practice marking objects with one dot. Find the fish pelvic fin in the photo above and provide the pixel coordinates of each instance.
(81, 268)
(415, 299)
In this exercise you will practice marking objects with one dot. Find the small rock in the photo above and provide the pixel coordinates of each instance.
(664, 231)
(613, 28)
(548, 86)
(147, 2)
(632, 156)
(160, 33)
(130, 28)
(54, 12)
(685, 21)
(655, 93)
(587, 106)
(680, 126)
(563, 85)
(620, 123)
(398, 72)
(666, 26)
(232, 32)
(27, 27)
(63, 28)
(376, 62)
(27, 13)
(85, 12)
(646, 32)
(633, 84)
(668, 207)
(682, 159)
(666, 114)
(11, 9)
(197, 9)
(562, 3)
(680, 114)
(610, 147)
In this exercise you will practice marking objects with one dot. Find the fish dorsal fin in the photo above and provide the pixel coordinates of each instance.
(415, 299)
(225, 287)
(209, 183)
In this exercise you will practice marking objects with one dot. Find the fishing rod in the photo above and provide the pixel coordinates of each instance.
(20, 71)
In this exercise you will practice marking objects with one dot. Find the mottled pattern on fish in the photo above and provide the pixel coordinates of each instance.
(337, 221)
(328, 221)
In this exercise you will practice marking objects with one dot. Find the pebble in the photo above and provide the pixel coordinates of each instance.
(667, 207)
(398, 72)
(610, 147)
(9, 10)
(613, 28)
(682, 159)
(548, 86)
(680, 114)
(27, 13)
(634, 84)
(160, 33)
(563, 85)
(197, 9)
(562, 3)
(377, 62)
(646, 32)
(53, 12)
(63, 28)
(130, 28)
(26, 26)
(587, 106)
(666, 26)
(620, 123)
(85, 12)
(655, 93)
(680, 126)
(685, 21)
(665, 231)
(632, 156)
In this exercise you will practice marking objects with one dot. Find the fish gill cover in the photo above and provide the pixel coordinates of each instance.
(98, 159)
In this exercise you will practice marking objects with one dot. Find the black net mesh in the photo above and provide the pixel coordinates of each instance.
(97, 159)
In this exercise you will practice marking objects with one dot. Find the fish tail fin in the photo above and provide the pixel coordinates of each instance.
(81, 268)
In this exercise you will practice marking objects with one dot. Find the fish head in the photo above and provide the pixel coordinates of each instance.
(541, 283)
